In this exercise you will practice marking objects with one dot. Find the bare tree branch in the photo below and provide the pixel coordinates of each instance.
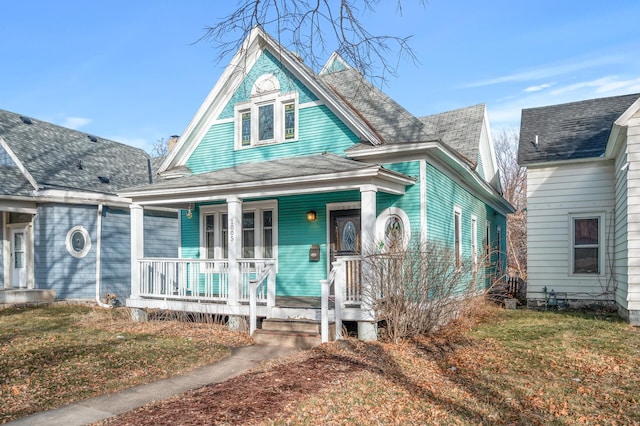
(309, 27)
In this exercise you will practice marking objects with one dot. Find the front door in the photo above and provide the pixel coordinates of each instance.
(344, 233)
(19, 258)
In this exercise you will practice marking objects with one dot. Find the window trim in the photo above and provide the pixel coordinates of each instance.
(79, 229)
(381, 224)
(474, 242)
(279, 101)
(257, 207)
(487, 242)
(457, 236)
(601, 216)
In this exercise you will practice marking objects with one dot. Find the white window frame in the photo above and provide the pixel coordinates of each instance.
(474, 241)
(601, 216)
(457, 236)
(381, 224)
(279, 101)
(256, 207)
(487, 242)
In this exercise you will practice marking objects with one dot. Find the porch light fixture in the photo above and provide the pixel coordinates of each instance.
(189, 214)
(311, 216)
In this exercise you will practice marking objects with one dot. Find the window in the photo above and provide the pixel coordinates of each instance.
(487, 242)
(474, 241)
(586, 252)
(270, 116)
(457, 236)
(393, 229)
(78, 241)
(258, 236)
(499, 241)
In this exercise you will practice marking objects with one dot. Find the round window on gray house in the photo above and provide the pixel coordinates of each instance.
(78, 241)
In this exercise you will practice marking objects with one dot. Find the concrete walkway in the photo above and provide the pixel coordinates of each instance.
(102, 407)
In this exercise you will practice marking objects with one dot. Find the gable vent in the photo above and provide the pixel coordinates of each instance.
(26, 120)
(103, 179)
(92, 138)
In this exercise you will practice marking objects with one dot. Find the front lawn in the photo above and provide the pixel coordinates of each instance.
(513, 367)
(51, 356)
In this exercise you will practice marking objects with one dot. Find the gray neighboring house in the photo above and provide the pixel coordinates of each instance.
(65, 233)
(583, 200)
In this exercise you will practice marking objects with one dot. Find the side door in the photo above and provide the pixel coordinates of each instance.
(19, 257)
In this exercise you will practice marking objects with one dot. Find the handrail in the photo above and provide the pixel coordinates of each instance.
(267, 273)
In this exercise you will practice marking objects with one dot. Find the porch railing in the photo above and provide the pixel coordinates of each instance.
(346, 279)
(202, 279)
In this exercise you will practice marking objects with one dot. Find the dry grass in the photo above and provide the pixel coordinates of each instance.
(511, 367)
(63, 353)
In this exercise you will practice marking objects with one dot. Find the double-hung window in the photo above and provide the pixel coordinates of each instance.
(474, 242)
(258, 231)
(586, 247)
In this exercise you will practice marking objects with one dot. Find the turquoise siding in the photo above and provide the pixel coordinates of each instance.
(267, 64)
(319, 131)
(443, 195)
(297, 276)
(190, 235)
(409, 202)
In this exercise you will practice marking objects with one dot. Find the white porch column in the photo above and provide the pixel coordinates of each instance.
(368, 218)
(367, 329)
(137, 246)
(235, 247)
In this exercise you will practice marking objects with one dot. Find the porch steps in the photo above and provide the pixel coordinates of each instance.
(292, 333)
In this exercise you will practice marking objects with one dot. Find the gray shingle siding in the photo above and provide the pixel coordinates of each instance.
(116, 254)
(55, 268)
(569, 131)
(160, 234)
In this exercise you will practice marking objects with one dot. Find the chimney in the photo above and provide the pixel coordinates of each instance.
(171, 143)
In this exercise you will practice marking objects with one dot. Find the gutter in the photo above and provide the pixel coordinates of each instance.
(98, 260)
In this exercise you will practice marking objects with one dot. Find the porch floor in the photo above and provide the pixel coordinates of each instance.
(299, 302)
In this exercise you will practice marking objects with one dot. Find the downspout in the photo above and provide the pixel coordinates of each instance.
(98, 260)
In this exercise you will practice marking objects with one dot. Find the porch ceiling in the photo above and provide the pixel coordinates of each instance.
(288, 176)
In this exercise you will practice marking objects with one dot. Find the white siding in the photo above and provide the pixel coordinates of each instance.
(633, 212)
(620, 244)
(554, 193)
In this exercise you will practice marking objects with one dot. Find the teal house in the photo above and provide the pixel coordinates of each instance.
(286, 178)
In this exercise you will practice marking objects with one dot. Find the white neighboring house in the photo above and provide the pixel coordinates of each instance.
(583, 200)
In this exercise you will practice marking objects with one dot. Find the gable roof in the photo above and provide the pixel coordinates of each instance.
(257, 42)
(54, 157)
(383, 115)
(460, 129)
(570, 131)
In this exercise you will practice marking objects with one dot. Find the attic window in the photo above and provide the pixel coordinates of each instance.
(104, 179)
(92, 138)
(25, 120)
(267, 119)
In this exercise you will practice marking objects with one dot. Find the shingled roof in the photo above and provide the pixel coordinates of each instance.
(569, 131)
(383, 115)
(460, 129)
(61, 158)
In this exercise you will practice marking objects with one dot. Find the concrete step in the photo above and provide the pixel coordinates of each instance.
(291, 325)
(301, 334)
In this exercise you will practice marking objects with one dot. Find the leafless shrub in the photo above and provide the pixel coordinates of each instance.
(418, 289)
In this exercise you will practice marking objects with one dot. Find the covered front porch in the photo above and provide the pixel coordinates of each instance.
(255, 250)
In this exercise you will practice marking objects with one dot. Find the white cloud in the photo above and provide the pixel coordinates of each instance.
(75, 122)
(548, 71)
(538, 87)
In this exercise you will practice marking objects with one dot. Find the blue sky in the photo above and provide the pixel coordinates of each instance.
(130, 71)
